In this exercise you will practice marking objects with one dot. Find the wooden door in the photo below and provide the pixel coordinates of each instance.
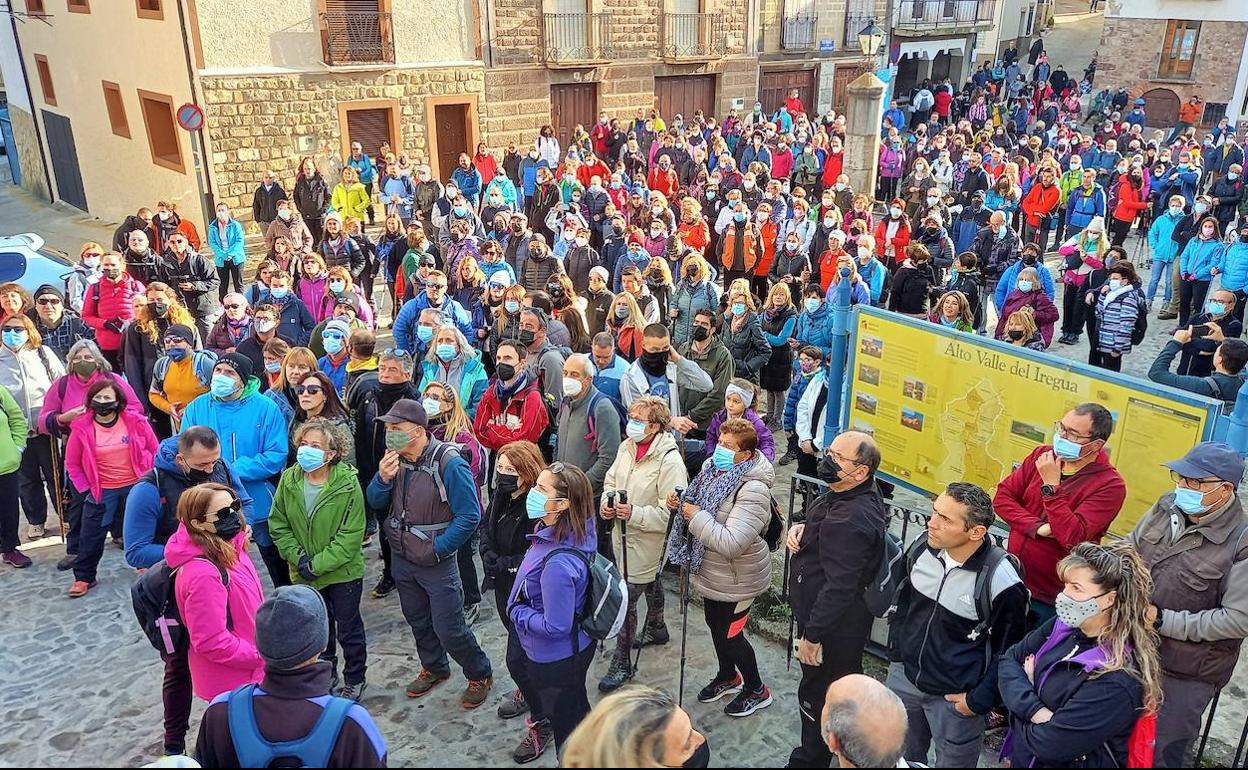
(451, 124)
(683, 94)
(64, 159)
(1178, 53)
(776, 85)
(1163, 107)
(572, 103)
(841, 78)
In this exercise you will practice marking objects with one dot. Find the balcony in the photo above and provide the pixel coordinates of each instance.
(694, 36)
(916, 18)
(855, 23)
(797, 33)
(357, 37)
(575, 39)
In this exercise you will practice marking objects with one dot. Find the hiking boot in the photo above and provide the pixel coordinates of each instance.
(1167, 315)
(67, 562)
(514, 706)
(651, 637)
(80, 588)
(535, 742)
(476, 692)
(748, 702)
(472, 613)
(427, 680)
(353, 692)
(15, 559)
(789, 457)
(719, 688)
(620, 671)
(384, 587)
(35, 531)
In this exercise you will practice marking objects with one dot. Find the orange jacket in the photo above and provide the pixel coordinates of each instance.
(729, 244)
(769, 232)
(695, 236)
(1040, 202)
(1190, 113)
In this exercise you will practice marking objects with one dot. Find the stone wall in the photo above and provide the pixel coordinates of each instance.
(253, 123)
(27, 149)
(1130, 49)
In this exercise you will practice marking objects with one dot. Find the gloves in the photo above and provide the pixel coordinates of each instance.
(305, 568)
(113, 324)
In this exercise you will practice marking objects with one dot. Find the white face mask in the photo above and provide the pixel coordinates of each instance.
(571, 387)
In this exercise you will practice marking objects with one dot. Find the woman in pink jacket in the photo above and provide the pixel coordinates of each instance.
(109, 304)
(109, 449)
(312, 278)
(66, 401)
(218, 590)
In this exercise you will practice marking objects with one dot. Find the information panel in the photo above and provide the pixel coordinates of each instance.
(946, 406)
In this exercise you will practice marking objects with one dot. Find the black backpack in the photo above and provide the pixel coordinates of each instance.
(156, 608)
(1141, 324)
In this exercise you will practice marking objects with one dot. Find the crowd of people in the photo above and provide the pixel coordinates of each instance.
(600, 355)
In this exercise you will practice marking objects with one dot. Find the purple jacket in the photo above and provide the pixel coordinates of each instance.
(544, 602)
(311, 291)
(766, 442)
(892, 162)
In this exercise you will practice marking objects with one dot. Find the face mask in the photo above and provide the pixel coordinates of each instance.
(829, 470)
(14, 339)
(748, 185)
(761, 216)
(164, 215)
(738, 308)
(424, 333)
(864, 253)
(397, 440)
(701, 756)
(1190, 501)
(105, 409)
(310, 458)
(535, 504)
(932, 200)
(791, 247)
(1201, 208)
(283, 214)
(1002, 230)
(701, 334)
(840, 186)
(738, 217)
(333, 345)
(1066, 449)
(446, 352)
(506, 372)
(84, 369)
(1074, 613)
(112, 273)
(571, 387)
(1176, 211)
(724, 458)
(1207, 232)
(279, 293)
(337, 287)
(1015, 334)
(161, 308)
(433, 407)
(636, 430)
(812, 304)
(223, 385)
(264, 327)
(1026, 286)
(895, 212)
(273, 367)
(177, 354)
(227, 527)
(655, 363)
(511, 306)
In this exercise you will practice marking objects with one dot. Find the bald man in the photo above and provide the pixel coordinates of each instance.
(864, 723)
(836, 552)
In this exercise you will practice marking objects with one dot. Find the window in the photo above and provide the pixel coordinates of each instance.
(116, 109)
(162, 131)
(35, 8)
(45, 79)
(1178, 53)
(151, 9)
(79, 6)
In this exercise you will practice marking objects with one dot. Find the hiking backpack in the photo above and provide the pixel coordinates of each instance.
(1228, 405)
(156, 608)
(606, 597)
(312, 750)
(881, 593)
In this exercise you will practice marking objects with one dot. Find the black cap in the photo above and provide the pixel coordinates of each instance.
(182, 332)
(48, 288)
(406, 410)
(240, 363)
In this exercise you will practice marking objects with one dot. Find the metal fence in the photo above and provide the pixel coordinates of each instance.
(357, 37)
(694, 35)
(797, 33)
(933, 14)
(854, 24)
(577, 37)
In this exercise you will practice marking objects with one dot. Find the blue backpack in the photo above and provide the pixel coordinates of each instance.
(312, 750)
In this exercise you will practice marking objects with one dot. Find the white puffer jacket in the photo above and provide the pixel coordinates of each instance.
(737, 565)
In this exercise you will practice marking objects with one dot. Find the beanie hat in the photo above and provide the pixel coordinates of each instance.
(601, 272)
(182, 332)
(48, 288)
(240, 363)
(292, 627)
(338, 325)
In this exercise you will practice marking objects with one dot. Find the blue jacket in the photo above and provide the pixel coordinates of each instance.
(528, 175)
(873, 276)
(491, 268)
(365, 166)
(254, 440)
(816, 328)
(1163, 247)
(796, 390)
(608, 380)
(1200, 257)
(689, 300)
(505, 186)
(296, 322)
(461, 495)
(1178, 181)
(469, 183)
(622, 264)
(1235, 266)
(762, 155)
(858, 293)
(278, 396)
(1082, 206)
(1219, 163)
(409, 316)
(548, 595)
(233, 246)
(1005, 284)
(145, 509)
(336, 374)
(471, 386)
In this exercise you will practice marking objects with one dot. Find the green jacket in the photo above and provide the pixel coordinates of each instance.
(13, 440)
(1068, 181)
(717, 362)
(332, 535)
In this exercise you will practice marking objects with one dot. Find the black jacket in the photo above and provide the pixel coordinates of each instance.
(121, 236)
(264, 203)
(201, 299)
(504, 539)
(838, 556)
(936, 616)
(311, 197)
(749, 348)
(969, 282)
(994, 253)
(287, 713)
(366, 402)
(912, 288)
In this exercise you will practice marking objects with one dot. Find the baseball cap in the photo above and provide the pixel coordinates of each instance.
(1210, 459)
(406, 410)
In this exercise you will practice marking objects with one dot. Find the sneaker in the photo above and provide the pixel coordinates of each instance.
(80, 588)
(472, 613)
(35, 531)
(353, 692)
(427, 680)
(535, 742)
(718, 689)
(514, 706)
(620, 671)
(748, 702)
(384, 588)
(788, 458)
(15, 559)
(652, 637)
(476, 692)
(67, 562)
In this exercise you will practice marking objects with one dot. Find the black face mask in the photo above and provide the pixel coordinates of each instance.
(829, 470)
(506, 372)
(107, 409)
(507, 484)
(701, 756)
(229, 524)
(393, 388)
(526, 337)
(1015, 334)
(701, 334)
(161, 308)
(1029, 259)
(655, 364)
(691, 273)
(112, 273)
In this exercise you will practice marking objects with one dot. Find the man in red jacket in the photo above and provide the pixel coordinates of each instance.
(1039, 204)
(1060, 496)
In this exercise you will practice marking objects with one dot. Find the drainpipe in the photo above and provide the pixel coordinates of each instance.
(34, 115)
(199, 150)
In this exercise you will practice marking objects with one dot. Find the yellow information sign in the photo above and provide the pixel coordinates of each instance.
(946, 406)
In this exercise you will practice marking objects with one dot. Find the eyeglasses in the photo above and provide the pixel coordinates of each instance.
(233, 307)
(1187, 483)
(333, 335)
(1069, 434)
(177, 241)
(48, 301)
(311, 390)
(437, 286)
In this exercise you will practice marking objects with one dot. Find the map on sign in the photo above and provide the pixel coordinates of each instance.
(946, 406)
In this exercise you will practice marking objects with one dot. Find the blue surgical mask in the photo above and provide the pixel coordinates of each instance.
(724, 458)
(1176, 211)
(738, 308)
(1215, 308)
(310, 458)
(461, 211)
(1115, 284)
(337, 287)
(223, 385)
(1201, 208)
(1232, 176)
(535, 504)
(333, 344)
(424, 333)
(15, 339)
(447, 352)
(511, 306)
(1025, 286)
(738, 217)
(273, 367)
(636, 430)
(1191, 501)
(177, 354)
(812, 304)
(1066, 449)
(1002, 230)
(279, 293)
(433, 407)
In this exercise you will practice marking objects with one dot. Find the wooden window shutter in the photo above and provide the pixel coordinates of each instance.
(371, 128)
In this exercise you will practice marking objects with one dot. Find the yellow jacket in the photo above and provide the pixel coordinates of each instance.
(350, 202)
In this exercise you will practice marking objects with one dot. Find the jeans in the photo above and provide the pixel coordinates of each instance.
(931, 718)
(433, 604)
(1191, 295)
(9, 485)
(97, 517)
(726, 620)
(346, 627)
(1178, 722)
(562, 685)
(987, 290)
(227, 272)
(841, 657)
(1160, 275)
(37, 477)
(177, 695)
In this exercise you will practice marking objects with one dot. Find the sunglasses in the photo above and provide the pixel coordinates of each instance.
(312, 390)
(221, 513)
(233, 307)
(48, 301)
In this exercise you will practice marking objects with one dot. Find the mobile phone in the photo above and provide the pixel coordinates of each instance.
(1199, 331)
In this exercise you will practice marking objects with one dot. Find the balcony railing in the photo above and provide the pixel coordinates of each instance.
(576, 37)
(357, 37)
(694, 35)
(797, 33)
(929, 15)
(854, 24)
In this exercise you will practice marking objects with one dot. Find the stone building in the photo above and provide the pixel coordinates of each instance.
(937, 39)
(1170, 50)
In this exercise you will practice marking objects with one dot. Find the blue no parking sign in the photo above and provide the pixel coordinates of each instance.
(190, 117)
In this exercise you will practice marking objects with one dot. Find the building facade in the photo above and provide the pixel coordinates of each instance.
(1170, 50)
(937, 39)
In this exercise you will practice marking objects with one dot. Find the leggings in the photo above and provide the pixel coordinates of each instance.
(726, 620)
(1118, 231)
(230, 271)
(655, 601)
(177, 695)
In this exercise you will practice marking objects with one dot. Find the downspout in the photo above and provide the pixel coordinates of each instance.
(43, 155)
(202, 178)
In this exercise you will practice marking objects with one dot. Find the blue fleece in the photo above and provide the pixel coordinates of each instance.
(409, 317)
(786, 333)
(1010, 277)
(816, 328)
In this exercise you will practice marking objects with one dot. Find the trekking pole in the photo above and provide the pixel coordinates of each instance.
(662, 563)
(58, 487)
(784, 597)
(684, 623)
(624, 535)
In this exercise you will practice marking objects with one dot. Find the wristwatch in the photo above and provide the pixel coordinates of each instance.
(1048, 490)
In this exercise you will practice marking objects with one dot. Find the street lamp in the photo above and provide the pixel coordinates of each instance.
(870, 39)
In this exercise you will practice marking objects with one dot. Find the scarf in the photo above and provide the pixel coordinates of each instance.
(239, 330)
(708, 491)
(505, 392)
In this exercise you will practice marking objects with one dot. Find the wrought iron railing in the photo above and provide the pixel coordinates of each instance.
(357, 37)
(694, 35)
(942, 14)
(854, 24)
(572, 37)
(798, 32)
